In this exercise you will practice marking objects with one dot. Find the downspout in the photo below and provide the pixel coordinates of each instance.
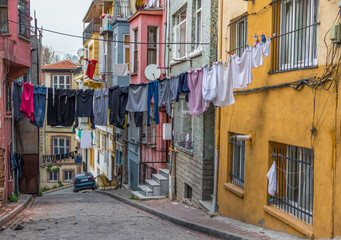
(336, 143)
(218, 114)
(168, 37)
(15, 172)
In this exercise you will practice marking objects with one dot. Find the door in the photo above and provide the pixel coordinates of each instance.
(29, 180)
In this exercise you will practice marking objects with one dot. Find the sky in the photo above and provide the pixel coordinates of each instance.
(63, 16)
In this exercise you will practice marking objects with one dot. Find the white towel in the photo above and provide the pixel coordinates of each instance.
(272, 176)
(120, 70)
(86, 139)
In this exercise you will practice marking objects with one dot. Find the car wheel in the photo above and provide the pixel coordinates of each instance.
(75, 190)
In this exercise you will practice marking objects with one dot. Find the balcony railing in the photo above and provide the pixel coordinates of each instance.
(93, 27)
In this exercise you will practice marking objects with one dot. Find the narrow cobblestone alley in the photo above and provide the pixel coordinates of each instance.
(89, 215)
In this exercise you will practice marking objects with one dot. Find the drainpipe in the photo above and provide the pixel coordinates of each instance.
(168, 36)
(218, 114)
(15, 172)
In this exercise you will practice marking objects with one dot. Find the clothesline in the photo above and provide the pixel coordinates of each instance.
(122, 106)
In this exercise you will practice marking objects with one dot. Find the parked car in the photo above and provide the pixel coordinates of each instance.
(84, 181)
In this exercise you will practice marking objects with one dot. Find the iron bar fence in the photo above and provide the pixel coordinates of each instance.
(238, 163)
(93, 27)
(295, 181)
(294, 44)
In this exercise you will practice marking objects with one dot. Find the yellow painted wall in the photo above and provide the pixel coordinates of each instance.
(280, 115)
(94, 54)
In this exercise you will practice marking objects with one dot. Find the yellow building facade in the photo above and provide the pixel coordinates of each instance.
(295, 125)
(57, 140)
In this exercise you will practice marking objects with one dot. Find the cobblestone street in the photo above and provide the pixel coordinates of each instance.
(89, 215)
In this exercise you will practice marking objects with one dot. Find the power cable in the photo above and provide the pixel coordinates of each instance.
(114, 41)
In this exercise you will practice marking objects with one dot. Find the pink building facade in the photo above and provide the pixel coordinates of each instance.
(15, 60)
(147, 26)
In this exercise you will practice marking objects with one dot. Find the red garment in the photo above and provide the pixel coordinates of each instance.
(27, 106)
(91, 67)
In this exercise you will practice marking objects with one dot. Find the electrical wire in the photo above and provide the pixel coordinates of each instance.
(116, 41)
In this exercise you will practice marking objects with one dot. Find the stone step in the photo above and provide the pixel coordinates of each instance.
(154, 186)
(163, 181)
(145, 191)
(142, 197)
(164, 172)
(159, 178)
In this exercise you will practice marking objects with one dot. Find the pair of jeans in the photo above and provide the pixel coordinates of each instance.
(153, 92)
(39, 99)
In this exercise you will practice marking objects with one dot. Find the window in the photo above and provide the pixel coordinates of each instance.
(152, 48)
(61, 145)
(24, 18)
(53, 176)
(115, 58)
(238, 35)
(8, 98)
(98, 158)
(188, 191)
(135, 57)
(103, 144)
(182, 125)
(238, 161)
(295, 28)
(198, 23)
(4, 15)
(68, 176)
(61, 81)
(126, 52)
(295, 174)
(180, 34)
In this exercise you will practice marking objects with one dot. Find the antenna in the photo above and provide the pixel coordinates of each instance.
(152, 72)
(80, 52)
(74, 59)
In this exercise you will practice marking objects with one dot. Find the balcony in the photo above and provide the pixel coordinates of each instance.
(93, 27)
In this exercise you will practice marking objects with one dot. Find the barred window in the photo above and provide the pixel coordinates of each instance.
(238, 161)
(182, 125)
(24, 18)
(238, 35)
(4, 16)
(295, 174)
(295, 27)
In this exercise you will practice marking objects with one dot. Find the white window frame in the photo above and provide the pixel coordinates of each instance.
(68, 173)
(177, 35)
(54, 175)
(198, 34)
(103, 141)
(61, 86)
(292, 50)
(58, 146)
(180, 116)
(135, 49)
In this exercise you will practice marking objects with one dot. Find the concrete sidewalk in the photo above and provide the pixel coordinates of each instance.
(10, 210)
(194, 219)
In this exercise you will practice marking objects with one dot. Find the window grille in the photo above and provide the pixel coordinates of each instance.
(295, 174)
(238, 162)
(24, 18)
(4, 16)
(182, 125)
(238, 35)
(295, 42)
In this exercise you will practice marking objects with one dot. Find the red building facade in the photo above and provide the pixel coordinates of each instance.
(15, 60)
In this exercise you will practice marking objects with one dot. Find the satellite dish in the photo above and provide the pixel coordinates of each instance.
(152, 72)
(80, 52)
(74, 59)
